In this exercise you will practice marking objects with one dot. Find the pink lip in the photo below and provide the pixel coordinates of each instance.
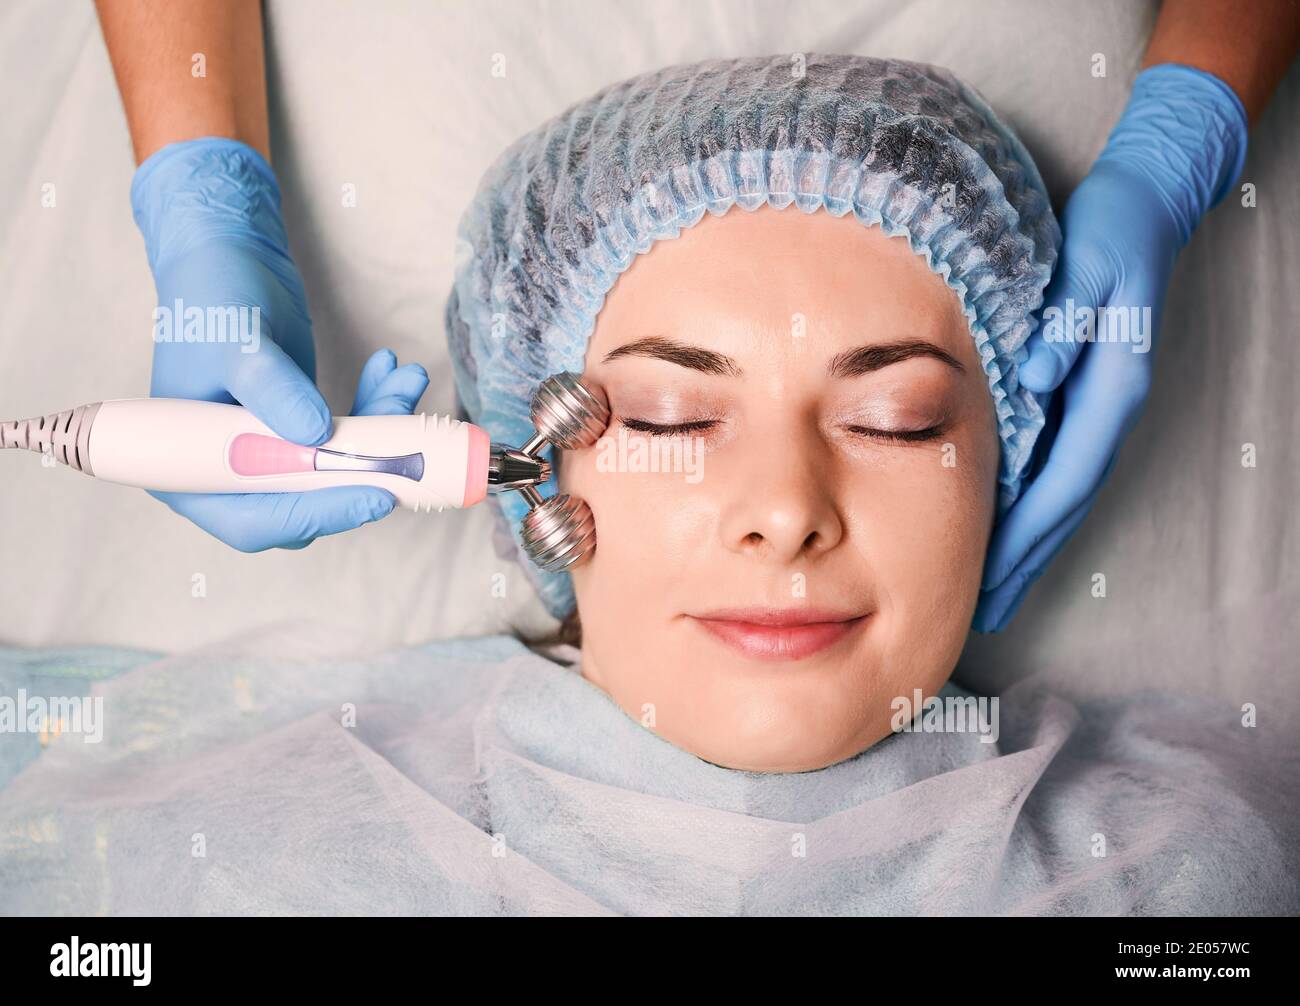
(779, 634)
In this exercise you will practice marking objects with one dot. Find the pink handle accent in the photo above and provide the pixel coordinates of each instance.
(255, 454)
(476, 471)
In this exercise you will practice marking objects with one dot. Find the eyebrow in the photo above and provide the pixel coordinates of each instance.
(851, 363)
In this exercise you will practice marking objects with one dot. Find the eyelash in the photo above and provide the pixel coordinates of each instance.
(675, 430)
(700, 425)
(905, 436)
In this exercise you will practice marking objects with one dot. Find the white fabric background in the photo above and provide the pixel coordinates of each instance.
(398, 99)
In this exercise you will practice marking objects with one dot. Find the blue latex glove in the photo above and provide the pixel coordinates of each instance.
(1176, 152)
(209, 210)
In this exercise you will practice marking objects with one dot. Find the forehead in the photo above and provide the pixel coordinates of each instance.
(748, 273)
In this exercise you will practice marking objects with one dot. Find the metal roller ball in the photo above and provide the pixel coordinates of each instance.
(559, 533)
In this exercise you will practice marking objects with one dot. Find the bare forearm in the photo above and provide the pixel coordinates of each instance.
(1246, 45)
(155, 47)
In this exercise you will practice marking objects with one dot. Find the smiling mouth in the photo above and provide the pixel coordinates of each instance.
(774, 634)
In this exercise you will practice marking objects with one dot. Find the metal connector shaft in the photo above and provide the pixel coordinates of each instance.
(511, 468)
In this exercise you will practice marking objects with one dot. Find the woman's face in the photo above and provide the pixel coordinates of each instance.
(815, 545)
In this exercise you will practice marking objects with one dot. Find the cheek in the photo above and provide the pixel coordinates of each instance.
(648, 528)
(924, 529)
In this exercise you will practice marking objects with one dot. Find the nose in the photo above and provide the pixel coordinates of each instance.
(780, 506)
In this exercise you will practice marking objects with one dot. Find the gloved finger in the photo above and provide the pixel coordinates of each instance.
(1099, 411)
(1079, 282)
(1018, 581)
(276, 390)
(998, 606)
(389, 405)
(254, 522)
(397, 393)
(381, 363)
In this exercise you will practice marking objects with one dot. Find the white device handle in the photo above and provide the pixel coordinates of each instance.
(180, 445)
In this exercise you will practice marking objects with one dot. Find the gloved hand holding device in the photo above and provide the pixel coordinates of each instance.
(233, 327)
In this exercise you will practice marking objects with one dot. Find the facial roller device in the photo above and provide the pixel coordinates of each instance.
(568, 413)
(426, 462)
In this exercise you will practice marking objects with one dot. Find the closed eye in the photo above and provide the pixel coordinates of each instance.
(907, 436)
(701, 425)
(673, 430)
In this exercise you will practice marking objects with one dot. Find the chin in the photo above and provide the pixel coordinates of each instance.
(776, 744)
(789, 762)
